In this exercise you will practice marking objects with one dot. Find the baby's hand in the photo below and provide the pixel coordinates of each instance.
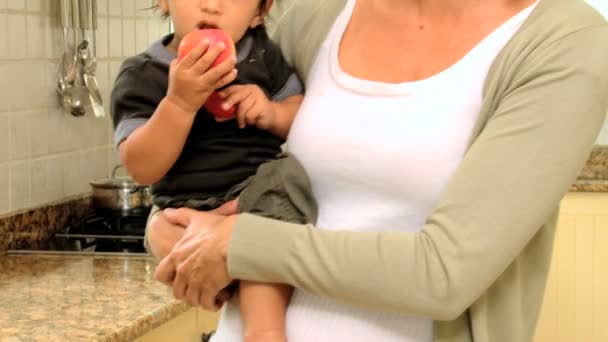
(191, 79)
(253, 107)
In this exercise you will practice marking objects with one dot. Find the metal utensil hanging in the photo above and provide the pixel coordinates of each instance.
(70, 100)
(86, 53)
(77, 85)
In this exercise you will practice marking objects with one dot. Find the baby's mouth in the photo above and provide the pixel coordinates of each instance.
(206, 25)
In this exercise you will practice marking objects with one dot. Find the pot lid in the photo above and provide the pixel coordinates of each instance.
(113, 183)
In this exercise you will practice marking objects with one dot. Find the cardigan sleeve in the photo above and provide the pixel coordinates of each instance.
(508, 185)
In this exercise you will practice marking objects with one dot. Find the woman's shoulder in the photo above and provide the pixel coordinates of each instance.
(554, 19)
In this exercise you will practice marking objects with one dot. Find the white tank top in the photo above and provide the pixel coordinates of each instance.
(378, 156)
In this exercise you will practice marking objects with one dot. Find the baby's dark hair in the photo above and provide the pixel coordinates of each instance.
(166, 15)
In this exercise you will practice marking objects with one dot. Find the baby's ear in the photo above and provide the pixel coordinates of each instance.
(163, 6)
(260, 17)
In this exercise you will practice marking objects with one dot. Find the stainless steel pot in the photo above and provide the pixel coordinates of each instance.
(120, 194)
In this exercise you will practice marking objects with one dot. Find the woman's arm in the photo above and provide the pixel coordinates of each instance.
(509, 183)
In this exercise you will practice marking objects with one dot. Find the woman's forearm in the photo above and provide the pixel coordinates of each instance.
(150, 151)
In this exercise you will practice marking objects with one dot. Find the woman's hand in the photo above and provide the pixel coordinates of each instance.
(191, 80)
(253, 106)
(196, 268)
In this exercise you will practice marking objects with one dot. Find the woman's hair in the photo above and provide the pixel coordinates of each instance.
(166, 15)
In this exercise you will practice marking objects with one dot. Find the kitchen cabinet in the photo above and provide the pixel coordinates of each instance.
(575, 307)
(187, 327)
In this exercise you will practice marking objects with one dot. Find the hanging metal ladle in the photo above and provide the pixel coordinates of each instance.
(70, 99)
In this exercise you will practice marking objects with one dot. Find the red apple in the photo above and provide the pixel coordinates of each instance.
(214, 36)
(192, 39)
(214, 106)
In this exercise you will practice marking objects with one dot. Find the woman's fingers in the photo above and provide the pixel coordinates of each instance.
(228, 208)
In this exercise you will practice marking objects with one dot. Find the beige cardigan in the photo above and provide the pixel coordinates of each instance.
(479, 265)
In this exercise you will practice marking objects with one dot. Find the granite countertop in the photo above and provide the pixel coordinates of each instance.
(81, 298)
(594, 176)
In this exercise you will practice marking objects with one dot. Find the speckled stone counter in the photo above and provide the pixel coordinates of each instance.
(594, 176)
(81, 298)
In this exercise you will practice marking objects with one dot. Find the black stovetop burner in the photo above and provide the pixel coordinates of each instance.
(97, 233)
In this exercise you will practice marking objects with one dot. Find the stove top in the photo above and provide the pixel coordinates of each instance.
(96, 234)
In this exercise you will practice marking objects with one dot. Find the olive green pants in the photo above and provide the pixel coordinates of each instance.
(280, 189)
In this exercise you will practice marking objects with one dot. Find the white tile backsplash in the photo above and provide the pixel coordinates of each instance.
(35, 37)
(39, 184)
(55, 177)
(102, 7)
(34, 5)
(128, 37)
(141, 35)
(20, 185)
(128, 8)
(15, 4)
(16, 34)
(4, 138)
(5, 188)
(19, 144)
(115, 7)
(115, 37)
(39, 134)
(3, 37)
(72, 175)
(102, 37)
(45, 153)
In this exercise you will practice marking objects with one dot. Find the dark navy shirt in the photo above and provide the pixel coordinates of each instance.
(217, 155)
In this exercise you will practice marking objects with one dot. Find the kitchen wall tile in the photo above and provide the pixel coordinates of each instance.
(142, 8)
(72, 175)
(53, 38)
(55, 127)
(99, 136)
(5, 185)
(39, 189)
(101, 38)
(15, 4)
(115, 37)
(4, 138)
(103, 81)
(35, 85)
(34, 5)
(128, 37)
(102, 7)
(115, 7)
(35, 37)
(88, 166)
(141, 35)
(3, 35)
(50, 94)
(2, 5)
(39, 133)
(16, 34)
(153, 32)
(128, 8)
(20, 184)
(14, 91)
(5, 88)
(19, 135)
(54, 177)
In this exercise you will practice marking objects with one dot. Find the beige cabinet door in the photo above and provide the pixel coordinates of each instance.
(575, 307)
(187, 327)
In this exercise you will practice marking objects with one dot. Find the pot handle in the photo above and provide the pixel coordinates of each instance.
(118, 166)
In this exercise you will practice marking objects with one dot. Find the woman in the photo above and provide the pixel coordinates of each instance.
(439, 137)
